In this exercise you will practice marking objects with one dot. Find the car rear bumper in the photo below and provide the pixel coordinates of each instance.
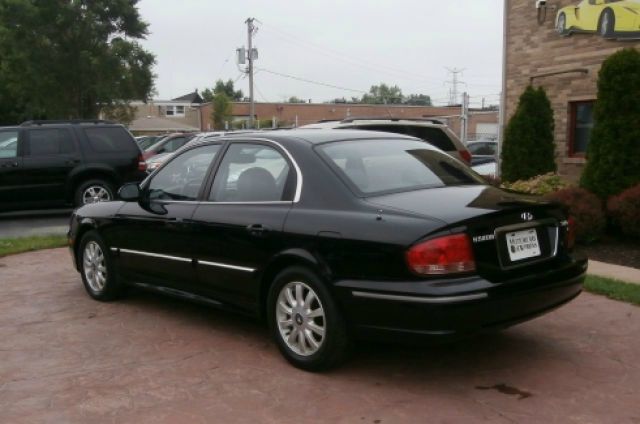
(449, 309)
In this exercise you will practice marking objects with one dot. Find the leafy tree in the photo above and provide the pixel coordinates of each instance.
(418, 100)
(228, 89)
(70, 59)
(383, 93)
(613, 153)
(528, 148)
(221, 112)
(207, 95)
(294, 99)
(120, 112)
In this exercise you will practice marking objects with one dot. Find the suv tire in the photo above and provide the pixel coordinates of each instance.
(305, 321)
(92, 191)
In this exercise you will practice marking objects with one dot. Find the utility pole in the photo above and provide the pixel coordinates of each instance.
(250, 32)
(464, 118)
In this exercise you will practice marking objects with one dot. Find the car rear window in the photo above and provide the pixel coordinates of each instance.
(375, 167)
(110, 139)
(434, 136)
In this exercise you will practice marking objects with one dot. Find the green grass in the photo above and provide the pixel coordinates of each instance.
(613, 289)
(11, 246)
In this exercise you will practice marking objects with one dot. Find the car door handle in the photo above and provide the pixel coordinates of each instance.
(257, 229)
(10, 165)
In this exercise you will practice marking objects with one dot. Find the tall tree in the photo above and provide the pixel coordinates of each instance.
(383, 94)
(207, 95)
(528, 148)
(70, 59)
(613, 153)
(228, 89)
(221, 110)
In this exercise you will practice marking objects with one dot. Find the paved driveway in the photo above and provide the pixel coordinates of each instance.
(66, 358)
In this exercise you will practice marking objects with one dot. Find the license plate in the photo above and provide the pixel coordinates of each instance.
(523, 245)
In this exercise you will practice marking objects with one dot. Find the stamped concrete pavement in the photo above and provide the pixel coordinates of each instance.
(147, 358)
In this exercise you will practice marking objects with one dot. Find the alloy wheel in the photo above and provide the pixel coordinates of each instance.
(94, 266)
(94, 194)
(301, 318)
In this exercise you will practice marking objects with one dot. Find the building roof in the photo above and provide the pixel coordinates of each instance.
(153, 123)
(193, 97)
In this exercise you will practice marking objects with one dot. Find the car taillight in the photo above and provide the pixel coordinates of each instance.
(571, 233)
(444, 255)
(466, 155)
(142, 164)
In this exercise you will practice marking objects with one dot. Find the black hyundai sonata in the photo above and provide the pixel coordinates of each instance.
(332, 236)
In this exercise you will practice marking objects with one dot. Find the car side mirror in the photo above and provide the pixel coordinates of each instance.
(129, 192)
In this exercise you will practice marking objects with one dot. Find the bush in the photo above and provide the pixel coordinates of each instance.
(624, 211)
(528, 148)
(613, 153)
(585, 208)
(542, 184)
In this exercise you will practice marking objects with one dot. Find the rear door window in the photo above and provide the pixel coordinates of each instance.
(8, 144)
(110, 140)
(49, 142)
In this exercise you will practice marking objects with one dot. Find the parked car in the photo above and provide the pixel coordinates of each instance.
(147, 141)
(168, 144)
(609, 18)
(487, 169)
(56, 163)
(331, 236)
(482, 151)
(432, 131)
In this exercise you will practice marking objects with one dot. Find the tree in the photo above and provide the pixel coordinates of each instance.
(294, 99)
(207, 95)
(383, 94)
(70, 59)
(221, 112)
(613, 153)
(418, 100)
(228, 89)
(528, 148)
(122, 112)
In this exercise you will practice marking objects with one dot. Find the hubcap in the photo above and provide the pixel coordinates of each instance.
(301, 319)
(93, 265)
(93, 194)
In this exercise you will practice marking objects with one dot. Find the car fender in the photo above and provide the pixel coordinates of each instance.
(80, 171)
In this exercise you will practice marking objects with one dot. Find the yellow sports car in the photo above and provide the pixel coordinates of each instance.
(609, 18)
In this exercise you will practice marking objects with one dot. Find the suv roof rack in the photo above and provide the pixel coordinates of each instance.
(352, 119)
(64, 121)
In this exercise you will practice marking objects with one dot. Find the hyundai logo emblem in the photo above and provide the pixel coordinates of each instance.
(526, 216)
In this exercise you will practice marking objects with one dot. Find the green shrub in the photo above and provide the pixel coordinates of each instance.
(624, 211)
(585, 208)
(528, 149)
(613, 154)
(542, 184)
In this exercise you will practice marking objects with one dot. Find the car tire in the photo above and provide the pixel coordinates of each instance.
(97, 269)
(305, 321)
(607, 24)
(561, 25)
(92, 191)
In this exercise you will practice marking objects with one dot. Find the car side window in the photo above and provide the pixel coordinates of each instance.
(183, 176)
(110, 140)
(8, 144)
(251, 173)
(47, 142)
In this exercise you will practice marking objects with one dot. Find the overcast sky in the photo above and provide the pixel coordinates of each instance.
(350, 44)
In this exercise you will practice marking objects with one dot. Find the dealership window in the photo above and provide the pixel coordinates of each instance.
(174, 110)
(581, 126)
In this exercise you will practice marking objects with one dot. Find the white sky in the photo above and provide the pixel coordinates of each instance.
(351, 44)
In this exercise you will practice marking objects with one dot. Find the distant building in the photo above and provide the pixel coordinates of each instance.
(181, 114)
(561, 47)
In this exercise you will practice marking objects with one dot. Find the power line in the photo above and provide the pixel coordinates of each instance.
(281, 74)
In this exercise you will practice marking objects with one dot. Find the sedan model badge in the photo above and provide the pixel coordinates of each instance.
(526, 216)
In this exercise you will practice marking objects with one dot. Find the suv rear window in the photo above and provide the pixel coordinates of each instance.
(434, 136)
(385, 166)
(110, 139)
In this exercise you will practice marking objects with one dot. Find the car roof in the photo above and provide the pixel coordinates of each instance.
(354, 122)
(312, 136)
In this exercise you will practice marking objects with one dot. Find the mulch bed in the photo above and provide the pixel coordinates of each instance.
(612, 250)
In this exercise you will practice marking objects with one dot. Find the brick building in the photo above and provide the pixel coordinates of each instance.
(290, 114)
(565, 64)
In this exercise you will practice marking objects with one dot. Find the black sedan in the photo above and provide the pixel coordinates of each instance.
(332, 236)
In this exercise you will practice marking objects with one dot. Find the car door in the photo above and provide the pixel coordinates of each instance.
(10, 170)
(50, 155)
(589, 14)
(153, 237)
(239, 226)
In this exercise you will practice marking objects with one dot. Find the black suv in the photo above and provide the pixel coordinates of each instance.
(56, 163)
